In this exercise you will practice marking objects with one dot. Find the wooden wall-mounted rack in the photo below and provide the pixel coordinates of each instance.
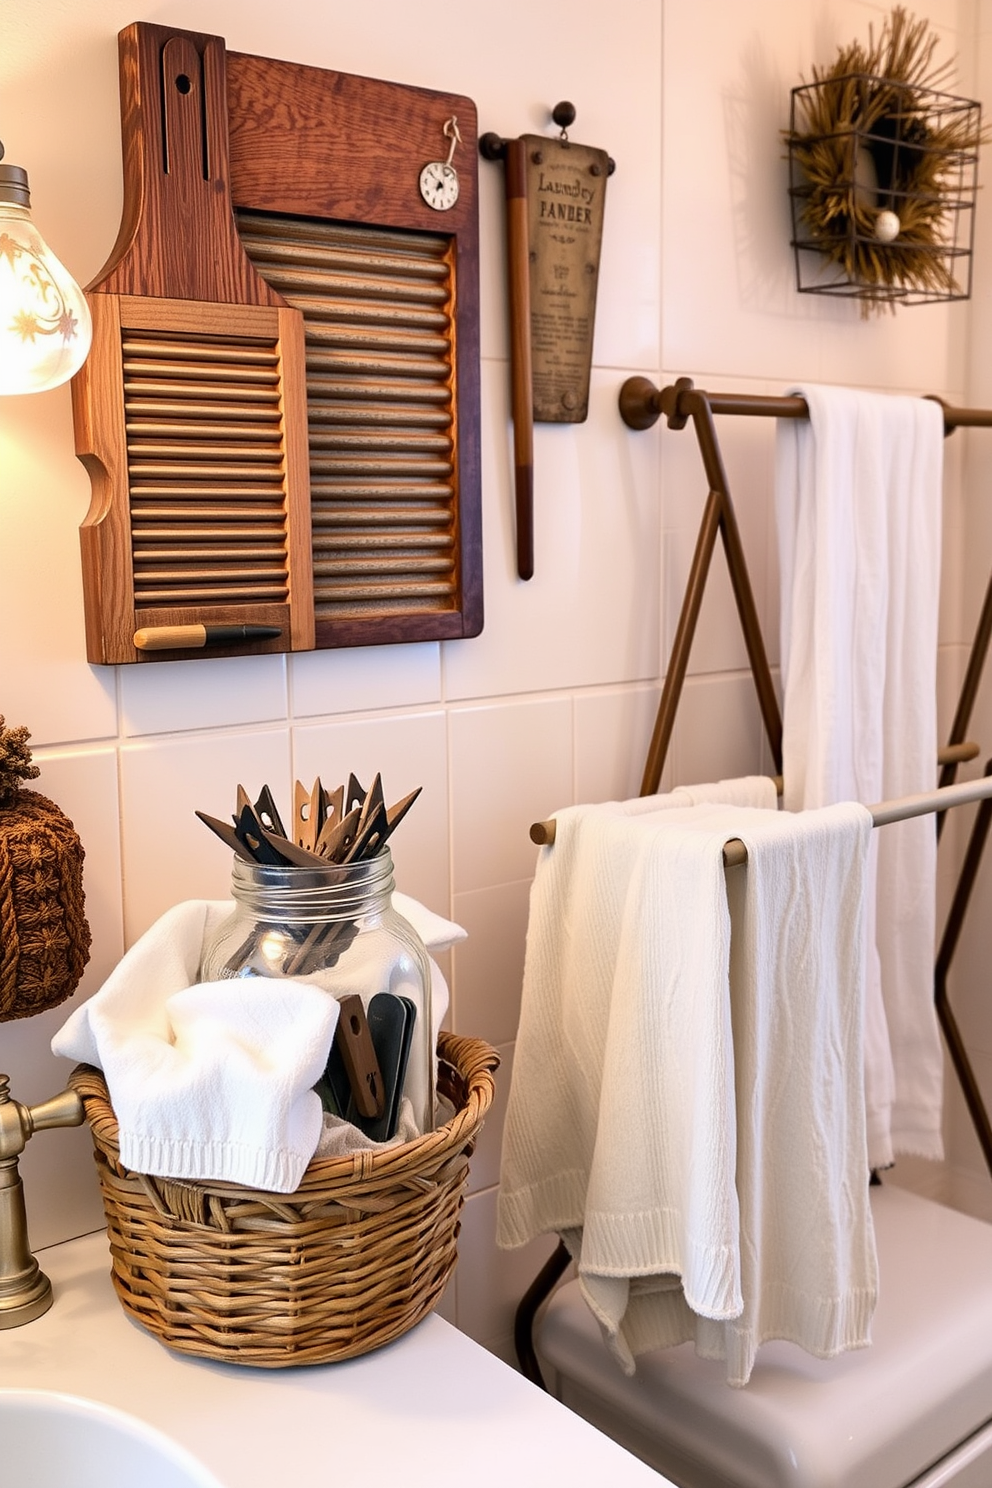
(280, 414)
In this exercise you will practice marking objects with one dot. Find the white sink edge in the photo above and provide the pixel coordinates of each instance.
(47, 1404)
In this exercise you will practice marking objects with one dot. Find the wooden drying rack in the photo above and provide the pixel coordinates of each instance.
(641, 405)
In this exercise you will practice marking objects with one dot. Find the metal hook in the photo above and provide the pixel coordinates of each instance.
(563, 114)
(451, 131)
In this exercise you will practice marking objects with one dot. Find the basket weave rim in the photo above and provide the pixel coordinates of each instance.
(473, 1059)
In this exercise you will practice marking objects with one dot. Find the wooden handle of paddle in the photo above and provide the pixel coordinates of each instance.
(521, 369)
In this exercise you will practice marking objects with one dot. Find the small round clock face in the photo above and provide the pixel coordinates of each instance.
(439, 185)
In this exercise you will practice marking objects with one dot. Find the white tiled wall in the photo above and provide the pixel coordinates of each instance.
(555, 701)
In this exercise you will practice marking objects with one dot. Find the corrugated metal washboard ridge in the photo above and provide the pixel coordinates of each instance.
(203, 424)
(377, 307)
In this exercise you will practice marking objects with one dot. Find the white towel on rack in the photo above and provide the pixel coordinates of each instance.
(687, 1106)
(576, 908)
(859, 517)
(622, 1093)
(747, 790)
(808, 1264)
(577, 903)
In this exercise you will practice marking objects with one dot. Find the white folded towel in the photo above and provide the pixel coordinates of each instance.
(212, 1080)
(693, 1153)
(859, 517)
(215, 1080)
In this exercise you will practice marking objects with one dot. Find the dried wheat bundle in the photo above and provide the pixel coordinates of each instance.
(885, 99)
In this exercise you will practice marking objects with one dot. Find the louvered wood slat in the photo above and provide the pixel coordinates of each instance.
(381, 390)
(161, 408)
(254, 515)
(262, 360)
(376, 306)
(417, 298)
(249, 378)
(366, 596)
(355, 517)
(321, 360)
(369, 416)
(357, 241)
(182, 461)
(376, 438)
(335, 307)
(193, 392)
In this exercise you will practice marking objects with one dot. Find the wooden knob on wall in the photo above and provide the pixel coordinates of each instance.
(640, 403)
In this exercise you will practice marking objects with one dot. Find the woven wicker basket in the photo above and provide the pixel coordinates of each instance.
(353, 1258)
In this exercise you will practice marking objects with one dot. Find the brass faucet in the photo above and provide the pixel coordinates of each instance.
(25, 1291)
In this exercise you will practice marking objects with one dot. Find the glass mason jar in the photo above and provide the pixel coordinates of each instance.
(335, 926)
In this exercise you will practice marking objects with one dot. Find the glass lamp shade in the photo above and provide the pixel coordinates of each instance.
(45, 325)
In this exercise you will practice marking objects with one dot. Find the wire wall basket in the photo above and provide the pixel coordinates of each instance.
(883, 177)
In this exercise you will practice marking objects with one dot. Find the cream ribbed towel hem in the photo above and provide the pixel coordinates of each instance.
(273, 1170)
(822, 1326)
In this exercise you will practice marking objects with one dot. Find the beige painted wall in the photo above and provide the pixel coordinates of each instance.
(554, 702)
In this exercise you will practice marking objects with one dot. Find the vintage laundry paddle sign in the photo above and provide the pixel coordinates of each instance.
(555, 198)
(566, 193)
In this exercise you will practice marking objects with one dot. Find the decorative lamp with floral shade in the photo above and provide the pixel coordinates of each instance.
(45, 326)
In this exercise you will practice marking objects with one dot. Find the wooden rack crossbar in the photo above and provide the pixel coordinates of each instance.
(672, 402)
(922, 804)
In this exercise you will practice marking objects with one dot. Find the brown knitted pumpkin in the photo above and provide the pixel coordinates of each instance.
(44, 937)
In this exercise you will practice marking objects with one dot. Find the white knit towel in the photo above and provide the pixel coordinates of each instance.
(215, 1080)
(572, 1029)
(212, 1080)
(859, 519)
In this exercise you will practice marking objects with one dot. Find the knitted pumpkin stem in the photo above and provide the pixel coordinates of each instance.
(15, 762)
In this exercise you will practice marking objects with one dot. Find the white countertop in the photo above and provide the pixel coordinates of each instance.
(431, 1408)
